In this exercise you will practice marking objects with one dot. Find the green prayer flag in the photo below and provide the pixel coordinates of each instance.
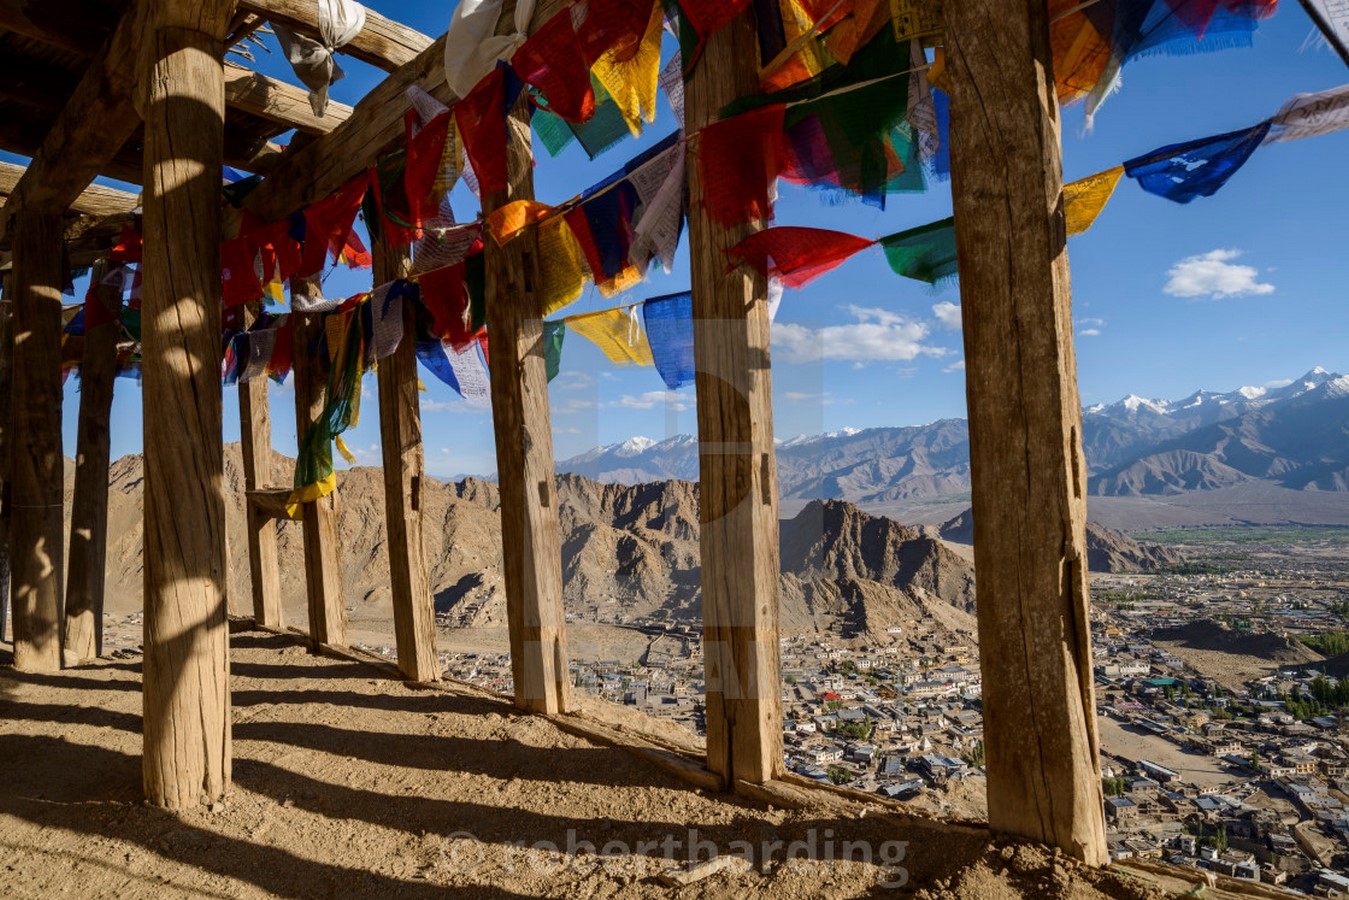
(927, 253)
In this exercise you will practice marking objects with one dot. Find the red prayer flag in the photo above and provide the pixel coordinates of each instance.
(444, 296)
(613, 23)
(481, 117)
(707, 17)
(129, 246)
(238, 276)
(798, 255)
(425, 157)
(738, 160)
(328, 223)
(551, 61)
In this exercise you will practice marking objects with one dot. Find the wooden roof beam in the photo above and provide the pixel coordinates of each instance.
(96, 200)
(75, 25)
(276, 101)
(382, 42)
(310, 173)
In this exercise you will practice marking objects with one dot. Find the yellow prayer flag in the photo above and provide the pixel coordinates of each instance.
(506, 222)
(628, 278)
(335, 327)
(449, 162)
(617, 333)
(562, 269)
(1083, 200)
(915, 18)
(631, 74)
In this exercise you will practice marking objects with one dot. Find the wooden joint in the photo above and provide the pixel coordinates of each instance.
(271, 502)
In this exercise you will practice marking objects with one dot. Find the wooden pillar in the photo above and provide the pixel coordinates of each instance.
(1029, 483)
(530, 534)
(186, 682)
(37, 494)
(400, 429)
(738, 508)
(255, 434)
(6, 432)
(85, 572)
(322, 555)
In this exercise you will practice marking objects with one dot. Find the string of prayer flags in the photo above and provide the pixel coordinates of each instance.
(926, 253)
(314, 473)
(797, 255)
(630, 74)
(617, 332)
(1310, 115)
(669, 333)
(658, 220)
(739, 159)
(551, 62)
(1182, 172)
(600, 132)
(1084, 199)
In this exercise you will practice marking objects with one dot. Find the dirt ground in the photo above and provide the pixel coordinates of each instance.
(348, 783)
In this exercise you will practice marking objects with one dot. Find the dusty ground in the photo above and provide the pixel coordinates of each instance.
(1121, 740)
(346, 783)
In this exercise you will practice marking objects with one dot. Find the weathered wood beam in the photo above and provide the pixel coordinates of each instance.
(400, 429)
(85, 569)
(1029, 481)
(23, 135)
(382, 42)
(186, 668)
(530, 534)
(322, 552)
(6, 439)
(95, 200)
(37, 523)
(276, 101)
(255, 434)
(316, 170)
(738, 496)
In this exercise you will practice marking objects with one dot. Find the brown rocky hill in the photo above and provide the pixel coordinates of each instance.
(1216, 636)
(1108, 551)
(629, 552)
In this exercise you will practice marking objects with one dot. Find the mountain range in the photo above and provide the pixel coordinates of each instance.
(1224, 457)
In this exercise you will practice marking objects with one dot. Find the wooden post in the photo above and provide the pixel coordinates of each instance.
(255, 434)
(89, 506)
(1029, 483)
(186, 682)
(6, 433)
(400, 428)
(38, 489)
(738, 508)
(322, 555)
(530, 535)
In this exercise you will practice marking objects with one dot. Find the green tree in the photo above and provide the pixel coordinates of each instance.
(838, 775)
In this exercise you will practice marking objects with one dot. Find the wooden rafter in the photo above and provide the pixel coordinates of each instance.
(383, 42)
(95, 200)
(278, 102)
(314, 171)
(74, 25)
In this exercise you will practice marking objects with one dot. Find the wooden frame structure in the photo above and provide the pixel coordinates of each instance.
(199, 112)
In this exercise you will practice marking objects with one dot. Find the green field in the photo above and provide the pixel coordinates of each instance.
(1269, 535)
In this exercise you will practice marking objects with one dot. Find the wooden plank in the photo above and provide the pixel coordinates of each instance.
(400, 429)
(738, 494)
(37, 526)
(1029, 482)
(318, 169)
(23, 135)
(530, 535)
(6, 434)
(186, 681)
(255, 434)
(78, 26)
(322, 553)
(85, 570)
(95, 200)
(276, 101)
(382, 42)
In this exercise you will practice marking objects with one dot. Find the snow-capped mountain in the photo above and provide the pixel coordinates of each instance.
(1293, 436)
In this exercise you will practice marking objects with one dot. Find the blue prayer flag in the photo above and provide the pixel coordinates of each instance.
(1181, 172)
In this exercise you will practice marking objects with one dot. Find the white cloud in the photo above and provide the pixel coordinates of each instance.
(1212, 275)
(572, 406)
(878, 334)
(947, 313)
(1278, 383)
(457, 405)
(1091, 323)
(799, 396)
(957, 366)
(653, 399)
(1089, 332)
(572, 381)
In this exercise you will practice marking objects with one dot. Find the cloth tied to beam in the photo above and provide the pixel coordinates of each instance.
(472, 46)
(797, 255)
(313, 60)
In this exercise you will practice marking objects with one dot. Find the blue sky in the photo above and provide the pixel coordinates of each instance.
(1246, 287)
